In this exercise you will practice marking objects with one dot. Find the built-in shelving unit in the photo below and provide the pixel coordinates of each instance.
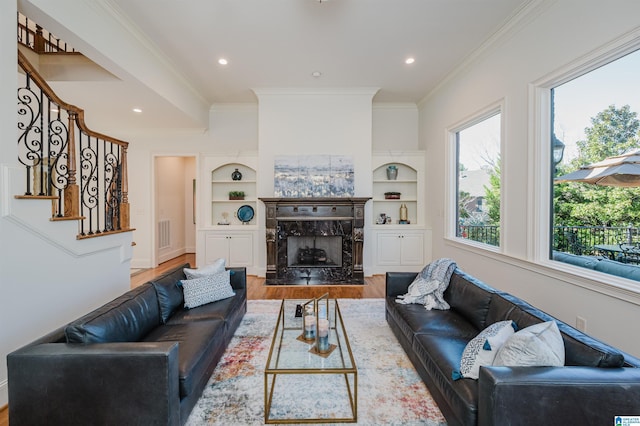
(221, 184)
(399, 247)
(233, 241)
(407, 183)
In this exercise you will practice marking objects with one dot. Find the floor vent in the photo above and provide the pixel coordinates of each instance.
(164, 233)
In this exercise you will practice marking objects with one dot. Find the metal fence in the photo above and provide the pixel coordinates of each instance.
(487, 234)
(582, 240)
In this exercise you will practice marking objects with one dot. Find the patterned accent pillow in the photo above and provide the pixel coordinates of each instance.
(214, 268)
(482, 349)
(210, 288)
(538, 345)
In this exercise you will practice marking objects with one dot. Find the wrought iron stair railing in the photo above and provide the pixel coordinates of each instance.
(83, 172)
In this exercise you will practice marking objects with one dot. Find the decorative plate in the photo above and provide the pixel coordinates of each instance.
(245, 213)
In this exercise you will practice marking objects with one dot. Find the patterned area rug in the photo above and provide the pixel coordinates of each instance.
(390, 392)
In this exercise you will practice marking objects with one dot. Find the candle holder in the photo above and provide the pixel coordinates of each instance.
(309, 321)
(323, 327)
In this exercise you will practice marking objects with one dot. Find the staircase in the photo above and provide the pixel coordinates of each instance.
(82, 173)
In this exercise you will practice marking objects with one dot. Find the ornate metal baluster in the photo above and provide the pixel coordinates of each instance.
(29, 111)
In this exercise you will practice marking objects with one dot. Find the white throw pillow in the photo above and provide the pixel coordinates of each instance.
(537, 345)
(482, 349)
(210, 288)
(214, 268)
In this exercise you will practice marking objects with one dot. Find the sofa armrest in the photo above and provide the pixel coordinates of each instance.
(238, 278)
(105, 383)
(397, 283)
(557, 395)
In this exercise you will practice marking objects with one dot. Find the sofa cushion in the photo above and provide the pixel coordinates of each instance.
(125, 319)
(470, 297)
(440, 355)
(482, 349)
(199, 343)
(221, 309)
(539, 345)
(580, 349)
(169, 292)
(414, 319)
(210, 288)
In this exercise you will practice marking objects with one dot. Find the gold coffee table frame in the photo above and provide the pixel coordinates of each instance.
(289, 355)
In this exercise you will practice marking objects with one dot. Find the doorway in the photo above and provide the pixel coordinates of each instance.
(174, 209)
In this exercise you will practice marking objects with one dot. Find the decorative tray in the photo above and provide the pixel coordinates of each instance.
(245, 213)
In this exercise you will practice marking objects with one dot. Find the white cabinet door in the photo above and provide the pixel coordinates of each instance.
(412, 252)
(389, 249)
(240, 250)
(401, 250)
(236, 249)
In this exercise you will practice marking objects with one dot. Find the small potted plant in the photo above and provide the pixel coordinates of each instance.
(236, 195)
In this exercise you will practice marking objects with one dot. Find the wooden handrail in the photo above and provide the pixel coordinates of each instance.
(72, 192)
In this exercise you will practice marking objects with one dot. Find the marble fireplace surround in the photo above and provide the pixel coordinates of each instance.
(314, 218)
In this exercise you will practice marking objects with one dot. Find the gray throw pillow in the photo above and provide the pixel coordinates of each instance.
(210, 288)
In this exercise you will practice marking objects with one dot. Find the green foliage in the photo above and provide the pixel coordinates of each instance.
(612, 132)
(492, 194)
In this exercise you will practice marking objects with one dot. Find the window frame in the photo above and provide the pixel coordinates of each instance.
(451, 211)
(541, 167)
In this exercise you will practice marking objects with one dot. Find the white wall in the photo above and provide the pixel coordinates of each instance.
(233, 132)
(395, 127)
(552, 36)
(293, 122)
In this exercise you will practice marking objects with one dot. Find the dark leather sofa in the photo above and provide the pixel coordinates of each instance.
(597, 382)
(141, 359)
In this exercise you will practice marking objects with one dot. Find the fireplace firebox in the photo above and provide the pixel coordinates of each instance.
(314, 240)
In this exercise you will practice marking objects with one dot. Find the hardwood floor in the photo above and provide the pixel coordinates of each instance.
(256, 289)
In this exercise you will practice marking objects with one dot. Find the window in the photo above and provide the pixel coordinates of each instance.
(596, 221)
(478, 180)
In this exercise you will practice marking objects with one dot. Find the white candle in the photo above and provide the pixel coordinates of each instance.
(309, 327)
(323, 327)
(323, 335)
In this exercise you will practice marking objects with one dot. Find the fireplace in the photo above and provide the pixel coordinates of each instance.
(314, 251)
(314, 240)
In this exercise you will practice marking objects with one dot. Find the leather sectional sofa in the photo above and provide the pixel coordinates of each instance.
(597, 382)
(142, 359)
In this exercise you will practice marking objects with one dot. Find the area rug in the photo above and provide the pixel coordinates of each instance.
(390, 392)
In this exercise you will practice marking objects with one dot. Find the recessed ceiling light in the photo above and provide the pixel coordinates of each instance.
(138, 110)
(316, 74)
(409, 61)
(223, 61)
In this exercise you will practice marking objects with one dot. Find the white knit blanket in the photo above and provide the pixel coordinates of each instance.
(429, 286)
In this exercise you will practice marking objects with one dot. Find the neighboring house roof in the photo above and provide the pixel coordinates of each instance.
(474, 181)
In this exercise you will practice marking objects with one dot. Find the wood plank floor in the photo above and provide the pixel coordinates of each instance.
(256, 289)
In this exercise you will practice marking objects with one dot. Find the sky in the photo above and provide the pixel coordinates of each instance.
(576, 102)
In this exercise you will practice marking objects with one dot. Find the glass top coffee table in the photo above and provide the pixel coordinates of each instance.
(304, 386)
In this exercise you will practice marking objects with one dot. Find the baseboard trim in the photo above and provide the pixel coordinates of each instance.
(4, 395)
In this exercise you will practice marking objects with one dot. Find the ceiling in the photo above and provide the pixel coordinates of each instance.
(281, 43)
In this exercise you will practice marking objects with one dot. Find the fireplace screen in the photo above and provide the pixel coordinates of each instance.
(317, 250)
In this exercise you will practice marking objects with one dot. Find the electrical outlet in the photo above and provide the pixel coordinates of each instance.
(581, 323)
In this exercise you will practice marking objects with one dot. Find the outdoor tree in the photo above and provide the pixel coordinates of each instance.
(613, 131)
(492, 194)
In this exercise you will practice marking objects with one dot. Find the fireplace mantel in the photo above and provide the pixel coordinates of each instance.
(314, 218)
